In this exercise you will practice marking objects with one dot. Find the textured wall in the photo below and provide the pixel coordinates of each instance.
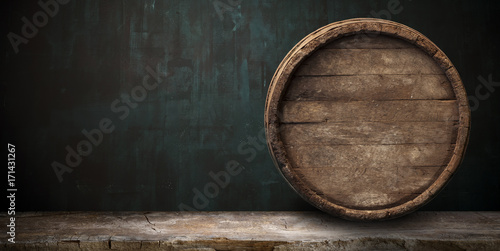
(177, 90)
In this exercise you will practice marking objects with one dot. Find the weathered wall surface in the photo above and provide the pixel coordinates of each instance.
(177, 91)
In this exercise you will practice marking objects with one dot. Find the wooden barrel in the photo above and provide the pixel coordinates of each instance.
(367, 119)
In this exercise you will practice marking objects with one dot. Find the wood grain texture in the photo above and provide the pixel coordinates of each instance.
(368, 41)
(366, 119)
(396, 110)
(368, 61)
(369, 187)
(366, 133)
(369, 87)
(250, 230)
(368, 156)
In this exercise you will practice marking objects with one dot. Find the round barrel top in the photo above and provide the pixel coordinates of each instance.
(367, 119)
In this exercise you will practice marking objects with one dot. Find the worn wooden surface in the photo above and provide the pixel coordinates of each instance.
(368, 61)
(380, 110)
(363, 133)
(252, 231)
(367, 121)
(354, 87)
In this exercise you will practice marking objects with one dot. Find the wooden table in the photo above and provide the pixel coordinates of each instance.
(251, 231)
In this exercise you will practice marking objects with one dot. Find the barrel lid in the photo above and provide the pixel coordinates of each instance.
(367, 119)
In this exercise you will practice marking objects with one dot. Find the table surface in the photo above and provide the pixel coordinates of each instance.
(252, 230)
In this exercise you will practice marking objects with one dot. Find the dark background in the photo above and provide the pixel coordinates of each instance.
(215, 69)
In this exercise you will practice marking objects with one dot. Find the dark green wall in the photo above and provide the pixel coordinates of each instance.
(215, 60)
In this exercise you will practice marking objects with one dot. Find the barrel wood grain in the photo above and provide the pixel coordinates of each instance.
(368, 61)
(369, 133)
(366, 190)
(395, 110)
(368, 156)
(366, 119)
(370, 87)
(368, 41)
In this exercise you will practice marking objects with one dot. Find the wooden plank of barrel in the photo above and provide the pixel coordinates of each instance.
(367, 119)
